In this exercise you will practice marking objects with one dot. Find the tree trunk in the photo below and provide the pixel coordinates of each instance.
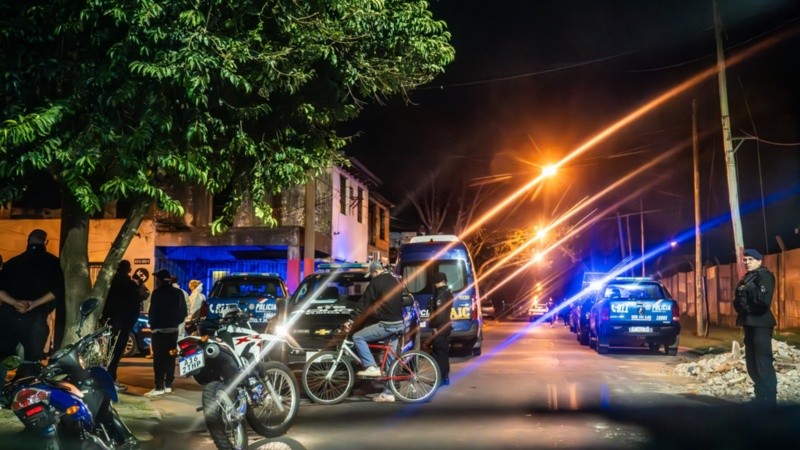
(75, 261)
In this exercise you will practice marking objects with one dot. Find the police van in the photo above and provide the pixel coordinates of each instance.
(418, 261)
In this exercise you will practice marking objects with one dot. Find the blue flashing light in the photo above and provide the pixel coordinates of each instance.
(342, 266)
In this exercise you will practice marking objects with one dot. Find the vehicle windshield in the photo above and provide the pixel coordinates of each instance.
(635, 291)
(419, 279)
(347, 288)
(240, 288)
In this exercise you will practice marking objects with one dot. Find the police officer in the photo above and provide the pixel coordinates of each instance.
(441, 304)
(752, 303)
(31, 286)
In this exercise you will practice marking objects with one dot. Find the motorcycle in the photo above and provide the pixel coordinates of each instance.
(237, 383)
(69, 404)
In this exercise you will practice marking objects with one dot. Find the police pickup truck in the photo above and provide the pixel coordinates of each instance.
(255, 293)
(315, 313)
(634, 312)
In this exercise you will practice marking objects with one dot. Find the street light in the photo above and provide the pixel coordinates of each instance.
(549, 170)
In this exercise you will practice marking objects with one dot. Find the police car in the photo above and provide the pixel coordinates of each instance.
(324, 300)
(255, 293)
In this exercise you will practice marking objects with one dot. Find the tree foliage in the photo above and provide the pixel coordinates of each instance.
(116, 99)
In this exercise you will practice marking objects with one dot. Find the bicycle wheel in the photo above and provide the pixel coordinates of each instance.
(414, 377)
(276, 408)
(324, 383)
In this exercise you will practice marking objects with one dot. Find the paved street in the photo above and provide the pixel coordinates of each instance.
(533, 387)
(525, 390)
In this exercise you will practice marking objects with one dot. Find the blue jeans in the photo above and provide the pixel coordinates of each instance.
(372, 333)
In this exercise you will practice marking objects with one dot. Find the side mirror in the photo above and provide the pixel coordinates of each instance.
(12, 362)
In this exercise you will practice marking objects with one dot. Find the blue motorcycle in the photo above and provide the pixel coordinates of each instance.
(69, 404)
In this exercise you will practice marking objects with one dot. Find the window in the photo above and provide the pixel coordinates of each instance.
(382, 223)
(360, 213)
(343, 194)
(455, 270)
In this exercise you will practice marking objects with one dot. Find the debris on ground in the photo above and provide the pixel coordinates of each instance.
(725, 375)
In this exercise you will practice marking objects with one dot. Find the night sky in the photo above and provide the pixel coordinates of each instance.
(533, 80)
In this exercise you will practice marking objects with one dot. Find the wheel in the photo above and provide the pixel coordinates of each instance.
(583, 337)
(672, 350)
(592, 341)
(414, 377)
(274, 412)
(601, 349)
(324, 383)
(131, 347)
(224, 421)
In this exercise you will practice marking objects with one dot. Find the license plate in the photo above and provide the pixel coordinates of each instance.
(191, 363)
(423, 324)
(640, 329)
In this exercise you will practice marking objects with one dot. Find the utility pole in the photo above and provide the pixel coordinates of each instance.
(730, 153)
(699, 304)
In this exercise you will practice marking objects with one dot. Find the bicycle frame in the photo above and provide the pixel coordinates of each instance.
(346, 348)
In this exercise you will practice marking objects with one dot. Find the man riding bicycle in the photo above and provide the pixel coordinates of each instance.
(381, 307)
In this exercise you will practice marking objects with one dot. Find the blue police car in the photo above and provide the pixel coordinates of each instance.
(255, 293)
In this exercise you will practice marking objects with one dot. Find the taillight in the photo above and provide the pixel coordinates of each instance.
(188, 347)
(29, 396)
(676, 315)
(605, 312)
(475, 307)
(33, 411)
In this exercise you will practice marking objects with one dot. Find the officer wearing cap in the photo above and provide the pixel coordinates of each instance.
(752, 303)
(166, 313)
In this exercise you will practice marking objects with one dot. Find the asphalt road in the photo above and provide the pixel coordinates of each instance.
(533, 387)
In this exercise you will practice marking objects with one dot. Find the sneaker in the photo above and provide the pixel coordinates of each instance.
(383, 398)
(120, 387)
(149, 356)
(154, 393)
(446, 382)
(168, 390)
(370, 371)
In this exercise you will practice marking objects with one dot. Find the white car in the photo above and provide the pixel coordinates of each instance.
(537, 310)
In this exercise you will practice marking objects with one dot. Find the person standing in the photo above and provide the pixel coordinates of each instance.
(196, 299)
(752, 303)
(121, 311)
(440, 324)
(551, 313)
(381, 306)
(31, 286)
(167, 311)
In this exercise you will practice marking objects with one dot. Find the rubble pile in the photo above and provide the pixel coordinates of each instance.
(726, 376)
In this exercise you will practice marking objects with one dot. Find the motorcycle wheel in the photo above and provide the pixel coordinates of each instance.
(224, 423)
(274, 412)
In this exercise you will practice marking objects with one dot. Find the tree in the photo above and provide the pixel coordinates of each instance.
(116, 99)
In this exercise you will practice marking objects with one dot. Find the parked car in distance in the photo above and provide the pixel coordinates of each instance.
(634, 312)
(139, 337)
(487, 308)
(255, 293)
(580, 317)
(537, 310)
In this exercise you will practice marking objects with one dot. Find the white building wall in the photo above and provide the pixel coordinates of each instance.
(349, 236)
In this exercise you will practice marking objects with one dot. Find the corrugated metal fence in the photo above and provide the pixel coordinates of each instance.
(720, 282)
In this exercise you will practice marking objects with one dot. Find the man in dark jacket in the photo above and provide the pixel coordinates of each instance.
(382, 306)
(167, 311)
(440, 324)
(752, 303)
(121, 311)
(31, 286)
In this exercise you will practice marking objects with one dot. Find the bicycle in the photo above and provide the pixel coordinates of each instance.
(413, 376)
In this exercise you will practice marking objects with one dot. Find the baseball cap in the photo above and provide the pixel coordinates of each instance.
(753, 253)
(373, 267)
(163, 274)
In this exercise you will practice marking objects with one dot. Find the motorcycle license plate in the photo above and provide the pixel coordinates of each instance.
(191, 363)
(640, 329)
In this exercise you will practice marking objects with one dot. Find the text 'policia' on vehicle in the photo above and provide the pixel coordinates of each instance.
(256, 294)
